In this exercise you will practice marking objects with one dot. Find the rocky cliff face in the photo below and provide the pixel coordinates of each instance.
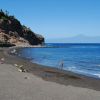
(12, 32)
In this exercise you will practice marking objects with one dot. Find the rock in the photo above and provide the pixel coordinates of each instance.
(13, 51)
(1, 62)
(19, 70)
(26, 77)
(2, 59)
(16, 65)
(14, 34)
(20, 66)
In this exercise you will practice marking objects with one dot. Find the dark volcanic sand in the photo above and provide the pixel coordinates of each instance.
(51, 74)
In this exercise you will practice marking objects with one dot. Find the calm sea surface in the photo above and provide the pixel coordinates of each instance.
(79, 58)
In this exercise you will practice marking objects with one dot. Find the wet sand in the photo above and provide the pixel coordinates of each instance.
(43, 83)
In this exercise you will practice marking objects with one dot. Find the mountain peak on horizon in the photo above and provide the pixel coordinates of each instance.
(80, 38)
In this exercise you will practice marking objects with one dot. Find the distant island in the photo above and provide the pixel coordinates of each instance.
(13, 33)
(75, 39)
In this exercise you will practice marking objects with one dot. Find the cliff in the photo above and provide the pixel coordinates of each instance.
(12, 32)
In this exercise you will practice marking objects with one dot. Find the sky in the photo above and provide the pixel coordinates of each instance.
(57, 18)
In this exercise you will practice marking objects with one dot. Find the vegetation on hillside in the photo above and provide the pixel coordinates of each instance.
(17, 33)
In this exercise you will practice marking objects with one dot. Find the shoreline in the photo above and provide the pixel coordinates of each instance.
(53, 68)
(51, 74)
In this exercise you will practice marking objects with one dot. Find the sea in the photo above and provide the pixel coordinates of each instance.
(81, 58)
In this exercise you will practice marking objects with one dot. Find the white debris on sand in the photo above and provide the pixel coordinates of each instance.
(2, 61)
(20, 68)
(13, 51)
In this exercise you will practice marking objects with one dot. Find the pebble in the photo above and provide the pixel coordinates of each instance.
(19, 70)
(26, 77)
(2, 59)
(16, 65)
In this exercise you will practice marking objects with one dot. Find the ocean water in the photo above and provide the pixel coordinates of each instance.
(79, 58)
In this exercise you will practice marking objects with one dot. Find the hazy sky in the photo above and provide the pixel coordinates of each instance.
(57, 18)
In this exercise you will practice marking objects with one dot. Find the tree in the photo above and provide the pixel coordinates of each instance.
(6, 13)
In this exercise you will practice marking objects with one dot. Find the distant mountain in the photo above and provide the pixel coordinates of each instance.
(76, 39)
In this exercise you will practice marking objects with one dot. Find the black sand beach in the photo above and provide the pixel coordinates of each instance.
(39, 82)
(50, 74)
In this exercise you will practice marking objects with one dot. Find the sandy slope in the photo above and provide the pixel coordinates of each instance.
(14, 86)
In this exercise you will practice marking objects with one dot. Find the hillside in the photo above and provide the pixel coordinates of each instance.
(12, 32)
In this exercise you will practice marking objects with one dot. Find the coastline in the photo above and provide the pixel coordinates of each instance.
(50, 74)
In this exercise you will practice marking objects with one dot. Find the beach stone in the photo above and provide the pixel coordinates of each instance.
(19, 70)
(13, 51)
(26, 77)
(20, 66)
(2, 59)
(1, 62)
(16, 65)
